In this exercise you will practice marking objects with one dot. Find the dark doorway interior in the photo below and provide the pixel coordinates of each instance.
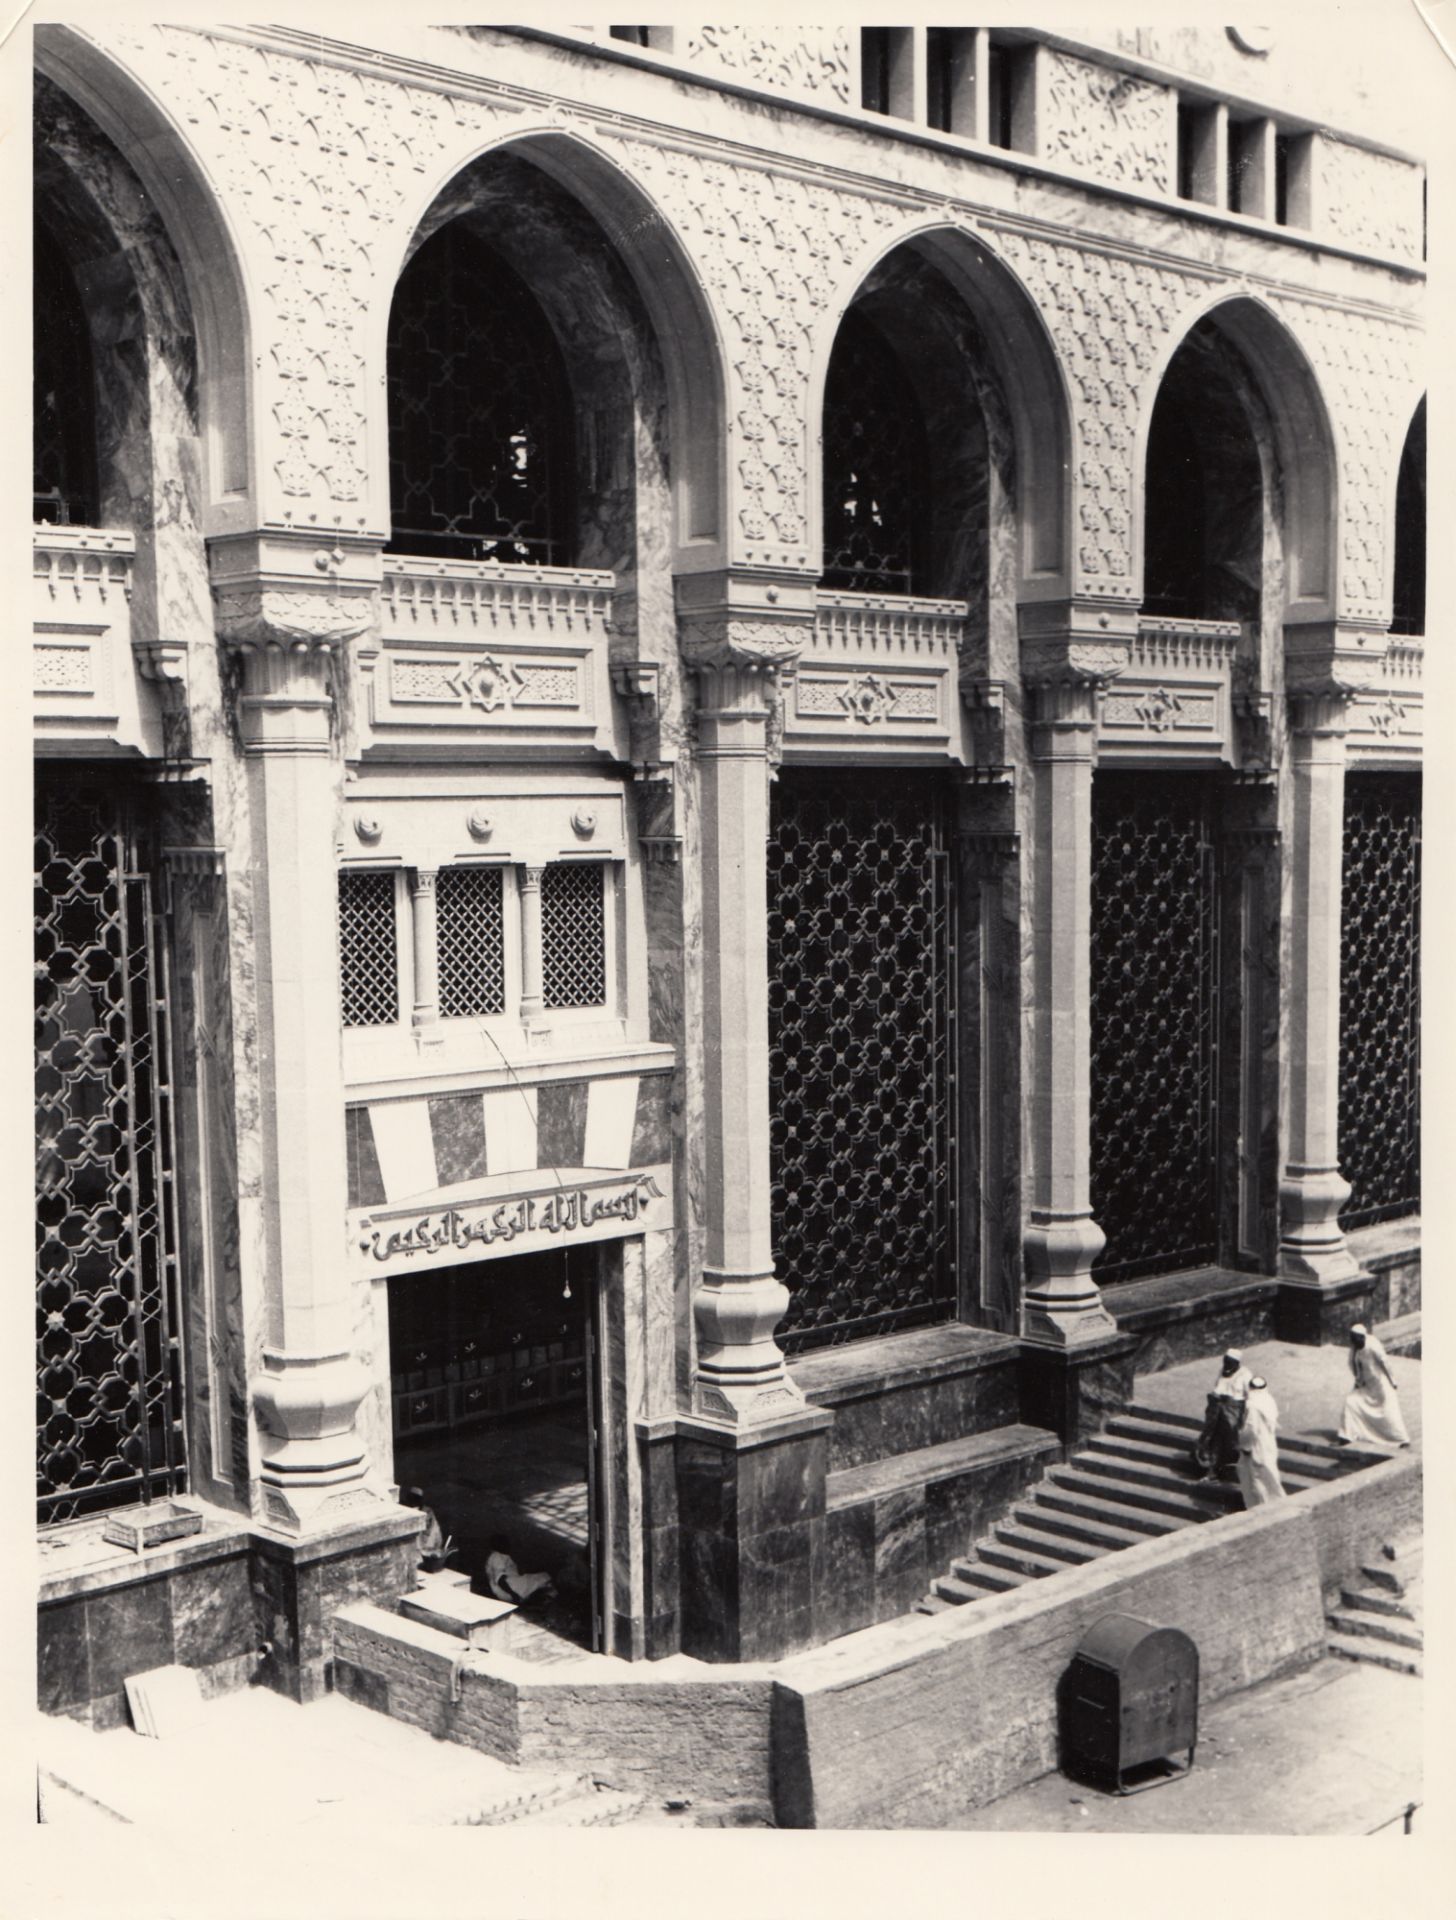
(492, 1374)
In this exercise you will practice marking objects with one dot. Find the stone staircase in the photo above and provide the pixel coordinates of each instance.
(1134, 1480)
(1379, 1616)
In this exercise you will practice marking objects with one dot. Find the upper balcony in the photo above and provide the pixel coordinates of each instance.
(91, 691)
(478, 655)
(879, 674)
(1387, 723)
(1173, 703)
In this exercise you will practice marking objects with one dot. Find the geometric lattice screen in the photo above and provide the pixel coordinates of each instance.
(1154, 1025)
(1380, 998)
(108, 1361)
(470, 941)
(874, 465)
(368, 956)
(861, 971)
(573, 936)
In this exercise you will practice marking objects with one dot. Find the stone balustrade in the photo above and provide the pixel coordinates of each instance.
(471, 649)
(1173, 701)
(85, 680)
(877, 669)
(1387, 722)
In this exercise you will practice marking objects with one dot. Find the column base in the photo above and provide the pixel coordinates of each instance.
(1313, 1313)
(1062, 1304)
(1312, 1246)
(1073, 1390)
(742, 1377)
(314, 1470)
(751, 1534)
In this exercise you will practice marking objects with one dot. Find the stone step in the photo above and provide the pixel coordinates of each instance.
(1103, 1510)
(1127, 1493)
(1018, 1559)
(1076, 1526)
(1019, 1532)
(901, 1472)
(1198, 1498)
(971, 1583)
(1387, 1576)
(1313, 1462)
(597, 1807)
(1370, 1626)
(1372, 1653)
(1371, 1600)
(1164, 1416)
(932, 1603)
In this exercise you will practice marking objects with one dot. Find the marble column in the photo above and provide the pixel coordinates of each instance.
(752, 1459)
(533, 992)
(1321, 1283)
(1312, 1247)
(741, 1377)
(425, 1014)
(286, 634)
(1069, 653)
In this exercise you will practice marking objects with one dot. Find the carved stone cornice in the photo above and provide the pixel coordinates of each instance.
(285, 606)
(1253, 713)
(1334, 656)
(164, 664)
(984, 702)
(741, 632)
(1320, 715)
(1074, 641)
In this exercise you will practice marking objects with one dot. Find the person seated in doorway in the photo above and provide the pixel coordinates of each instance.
(507, 1582)
(1216, 1449)
(433, 1547)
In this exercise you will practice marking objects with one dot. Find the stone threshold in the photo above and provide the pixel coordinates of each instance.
(901, 1471)
(1139, 1305)
(864, 1369)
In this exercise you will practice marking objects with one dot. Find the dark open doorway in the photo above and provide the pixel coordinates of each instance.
(495, 1396)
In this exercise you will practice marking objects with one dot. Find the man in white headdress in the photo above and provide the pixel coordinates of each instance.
(1259, 1447)
(1217, 1447)
(1372, 1410)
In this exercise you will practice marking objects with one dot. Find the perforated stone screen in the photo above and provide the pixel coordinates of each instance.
(573, 936)
(368, 950)
(470, 941)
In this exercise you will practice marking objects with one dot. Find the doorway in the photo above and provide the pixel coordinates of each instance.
(495, 1384)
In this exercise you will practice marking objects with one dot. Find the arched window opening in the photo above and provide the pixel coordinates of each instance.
(1203, 549)
(480, 425)
(64, 419)
(1409, 600)
(875, 464)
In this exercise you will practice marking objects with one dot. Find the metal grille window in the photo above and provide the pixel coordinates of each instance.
(470, 941)
(480, 453)
(368, 949)
(1380, 993)
(1154, 1024)
(874, 465)
(64, 420)
(573, 936)
(108, 1362)
(861, 1055)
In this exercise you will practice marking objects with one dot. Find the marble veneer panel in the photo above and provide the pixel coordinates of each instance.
(561, 1123)
(924, 1411)
(457, 1128)
(652, 1126)
(366, 1182)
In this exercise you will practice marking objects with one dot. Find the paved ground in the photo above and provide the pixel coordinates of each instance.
(1308, 1383)
(1333, 1750)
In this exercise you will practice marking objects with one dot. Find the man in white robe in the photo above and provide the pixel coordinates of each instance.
(1216, 1448)
(1259, 1447)
(1372, 1410)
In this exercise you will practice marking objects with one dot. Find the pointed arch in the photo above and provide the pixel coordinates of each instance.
(157, 151)
(1027, 373)
(677, 307)
(1304, 442)
(1407, 544)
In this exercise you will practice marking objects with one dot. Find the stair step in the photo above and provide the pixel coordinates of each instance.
(1133, 1494)
(1103, 1508)
(1367, 1600)
(1371, 1653)
(1164, 1416)
(597, 1807)
(1023, 1560)
(952, 1587)
(1386, 1577)
(1024, 1530)
(932, 1603)
(1204, 1496)
(974, 1453)
(1140, 1439)
(1075, 1526)
(1370, 1626)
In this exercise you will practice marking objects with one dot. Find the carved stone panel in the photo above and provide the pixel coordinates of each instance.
(879, 672)
(1173, 700)
(1114, 126)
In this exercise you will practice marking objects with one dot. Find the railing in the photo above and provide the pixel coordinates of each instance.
(890, 626)
(81, 565)
(1195, 646)
(433, 598)
(81, 628)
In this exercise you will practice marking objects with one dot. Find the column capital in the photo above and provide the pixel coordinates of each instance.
(1080, 643)
(1334, 656)
(740, 632)
(286, 603)
(1322, 715)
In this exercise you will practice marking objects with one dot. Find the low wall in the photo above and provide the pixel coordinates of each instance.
(912, 1724)
(705, 1732)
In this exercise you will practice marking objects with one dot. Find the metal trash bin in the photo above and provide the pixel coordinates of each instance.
(1129, 1702)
